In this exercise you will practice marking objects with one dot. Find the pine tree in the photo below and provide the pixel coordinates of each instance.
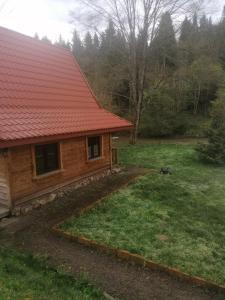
(185, 31)
(96, 42)
(220, 32)
(62, 43)
(88, 42)
(46, 40)
(195, 26)
(36, 36)
(77, 47)
(214, 151)
(164, 46)
(188, 42)
(223, 15)
(204, 25)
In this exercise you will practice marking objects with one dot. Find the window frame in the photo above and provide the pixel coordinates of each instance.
(101, 148)
(34, 162)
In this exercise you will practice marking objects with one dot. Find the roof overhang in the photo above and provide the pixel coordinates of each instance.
(43, 139)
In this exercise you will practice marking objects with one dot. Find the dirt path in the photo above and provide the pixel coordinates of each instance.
(32, 233)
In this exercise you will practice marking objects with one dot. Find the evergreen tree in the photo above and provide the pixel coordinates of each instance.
(62, 43)
(214, 151)
(77, 47)
(88, 57)
(112, 66)
(36, 36)
(46, 40)
(223, 15)
(188, 42)
(204, 25)
(164, 47)
(88, 43)
(96, 42)
(220, 32)
(195, 28)
(185, 30)
(206, 42)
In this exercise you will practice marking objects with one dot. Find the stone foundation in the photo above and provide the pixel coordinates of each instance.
(59, 193)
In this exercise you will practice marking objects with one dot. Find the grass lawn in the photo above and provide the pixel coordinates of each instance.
(176, 220)
(23, 277)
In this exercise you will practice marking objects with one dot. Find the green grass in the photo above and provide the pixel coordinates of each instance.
(176, 220)
(25, 277)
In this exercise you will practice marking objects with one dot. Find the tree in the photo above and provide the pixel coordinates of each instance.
(77, 46)
(195, 28)
(221, 39)
(88, 43)
(164, 46)
(204, 77)
(137, 22)
(189, 40)
(96, 42)
(36, 36)
(62, 43)
(214, 151)
(223, 15)
(110, 81)
(185, 30)
(46, 40)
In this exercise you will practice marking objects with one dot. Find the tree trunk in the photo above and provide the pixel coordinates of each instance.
(197, 99)
(134, 133)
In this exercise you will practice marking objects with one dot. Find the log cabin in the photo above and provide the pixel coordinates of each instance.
(53, 131)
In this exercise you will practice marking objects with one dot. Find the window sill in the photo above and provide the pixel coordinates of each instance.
(94, 159)
(37, 177)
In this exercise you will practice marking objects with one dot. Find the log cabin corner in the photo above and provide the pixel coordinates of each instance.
(53, 131)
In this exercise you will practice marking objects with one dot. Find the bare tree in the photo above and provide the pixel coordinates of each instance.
(137, 21)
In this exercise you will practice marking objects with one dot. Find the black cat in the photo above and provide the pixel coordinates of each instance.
(166, 171)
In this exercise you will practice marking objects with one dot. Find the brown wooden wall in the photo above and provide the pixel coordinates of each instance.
(74, 162)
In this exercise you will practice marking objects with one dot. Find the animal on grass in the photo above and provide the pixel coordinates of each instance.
(166, 171)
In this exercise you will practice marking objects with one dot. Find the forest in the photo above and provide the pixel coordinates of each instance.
(185, 73)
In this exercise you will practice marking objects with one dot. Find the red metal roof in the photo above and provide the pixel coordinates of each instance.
(43, 94)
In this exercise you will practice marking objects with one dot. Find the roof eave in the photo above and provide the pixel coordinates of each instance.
(42, 139)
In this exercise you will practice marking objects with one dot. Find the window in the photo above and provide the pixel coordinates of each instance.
(46, 158)
(94, 147)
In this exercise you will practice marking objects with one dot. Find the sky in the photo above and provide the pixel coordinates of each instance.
(50, 17)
